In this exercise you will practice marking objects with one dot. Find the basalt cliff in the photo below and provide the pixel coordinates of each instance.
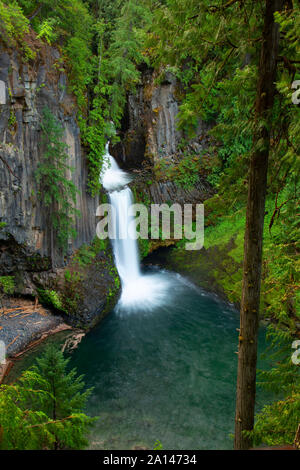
(149, 141)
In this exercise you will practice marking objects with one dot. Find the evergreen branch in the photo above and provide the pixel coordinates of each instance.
(277, 209)
(35, 12)
(217, 73)
(51, 422)
(215, 8)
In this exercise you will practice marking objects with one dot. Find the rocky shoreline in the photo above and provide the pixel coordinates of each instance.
(23, 325)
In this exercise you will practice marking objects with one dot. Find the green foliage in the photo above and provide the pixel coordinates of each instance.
(277, 423)
(144, 247)
(7, 284)
(7, 287)
(50, 297)
(87, 253)
(99, 245)
(115, 74)
(84, 256)
(94, 136)
(64, 389)
(65, 19)
(13, 24)
(43, 410)
(12, 119)
(221, 44)
(22, 428)
(47, 31)
(13, 28)
(57, 191)
(71, 294)
(101, 44)
(124, 53)
(185, 173)
(158, 445)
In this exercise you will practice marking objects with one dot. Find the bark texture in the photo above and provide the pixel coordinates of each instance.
(249, 314)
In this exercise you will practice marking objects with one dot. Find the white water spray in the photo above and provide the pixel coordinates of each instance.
(125, 248)
(112, 177)
(139, 292)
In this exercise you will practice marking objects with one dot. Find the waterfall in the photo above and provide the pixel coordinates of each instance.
(139, 291)
(125, 248)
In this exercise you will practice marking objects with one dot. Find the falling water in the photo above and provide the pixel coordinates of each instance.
(125, 248)
(139, 291)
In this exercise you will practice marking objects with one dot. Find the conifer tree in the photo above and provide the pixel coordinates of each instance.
(64, 395)
(44, 408)
(214, 49)
(257, 187)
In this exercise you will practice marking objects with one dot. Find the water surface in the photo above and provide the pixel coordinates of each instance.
(166, 373)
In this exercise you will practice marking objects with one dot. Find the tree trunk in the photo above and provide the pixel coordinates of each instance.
(247, 356)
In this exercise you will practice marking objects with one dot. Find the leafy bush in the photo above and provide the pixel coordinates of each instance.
(50, 297)
(7, 284)
(185, 172)
(277, 423)
(13, 23)
(71, 294)
(7, 287)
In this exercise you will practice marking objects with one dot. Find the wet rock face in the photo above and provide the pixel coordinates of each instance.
(26, 244)
(213, 269)
(149, 128)
(96, 292)
(163, 135)
(129, 152)
(150, 136)
(167, 192)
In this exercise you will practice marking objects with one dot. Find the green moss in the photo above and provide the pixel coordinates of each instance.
(184, 172)
(237, 252)
(71, 294)
(7, 285)
(50, 298)
(65, 299)
(219, 264)
(36, 262)
(12, 119)
(84, 255)
(87, 253)
(224, 230)
(144, 247)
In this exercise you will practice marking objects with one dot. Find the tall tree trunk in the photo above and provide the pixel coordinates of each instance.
(247, 356)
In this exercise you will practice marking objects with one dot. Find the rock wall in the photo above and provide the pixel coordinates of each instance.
(213, 269)
(149, 135)
(25, 90)
(28, 249)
